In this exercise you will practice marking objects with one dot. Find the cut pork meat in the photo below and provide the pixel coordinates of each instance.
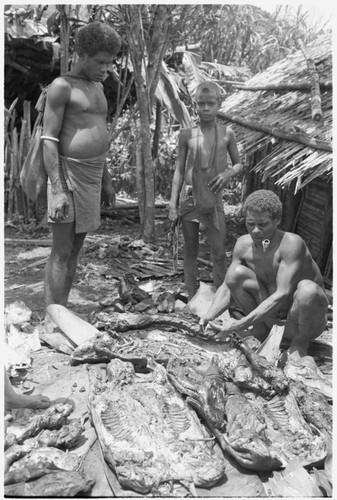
(41, 461)
(53, 418)
(55, 484)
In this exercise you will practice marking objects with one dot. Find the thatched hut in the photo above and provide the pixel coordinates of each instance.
(287, 145)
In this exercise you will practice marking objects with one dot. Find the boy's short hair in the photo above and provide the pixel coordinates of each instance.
(264, 200)
(208, 87)
(97, 37)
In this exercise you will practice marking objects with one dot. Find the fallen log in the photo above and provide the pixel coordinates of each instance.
(207, 263)
(38, 242)
(38, 263)
(131, 206)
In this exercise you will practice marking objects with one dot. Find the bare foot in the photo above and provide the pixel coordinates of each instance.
(48, 324)
(24, 401)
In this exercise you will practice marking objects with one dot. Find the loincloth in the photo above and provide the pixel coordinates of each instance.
(281, 318)
(81, 180)
(188, 212)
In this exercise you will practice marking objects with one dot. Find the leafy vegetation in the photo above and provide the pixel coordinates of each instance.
(167, 50)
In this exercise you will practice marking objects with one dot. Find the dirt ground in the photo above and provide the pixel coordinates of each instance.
(106, 254)
(97, 275)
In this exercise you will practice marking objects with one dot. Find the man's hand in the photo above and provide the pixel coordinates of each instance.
(60, 207)
(108, 195)
(203, 322)
(219, 181)
(223, 331)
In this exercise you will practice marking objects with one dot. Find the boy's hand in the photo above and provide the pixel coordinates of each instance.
(219, 181)
(173, 214)
(108, 195)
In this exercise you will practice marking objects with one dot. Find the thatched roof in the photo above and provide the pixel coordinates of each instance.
(288, 111)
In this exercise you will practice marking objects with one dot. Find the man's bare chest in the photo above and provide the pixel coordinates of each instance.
(265, 265)
(88, 100)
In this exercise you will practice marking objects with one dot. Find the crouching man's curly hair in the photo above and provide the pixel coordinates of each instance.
(97, 37)
(264, 200)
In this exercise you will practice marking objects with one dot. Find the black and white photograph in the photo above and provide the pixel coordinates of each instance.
(167, 250)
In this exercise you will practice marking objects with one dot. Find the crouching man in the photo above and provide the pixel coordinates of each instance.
(272, 279)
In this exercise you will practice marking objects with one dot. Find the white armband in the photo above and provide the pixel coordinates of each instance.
(239, 169)
(50, 138)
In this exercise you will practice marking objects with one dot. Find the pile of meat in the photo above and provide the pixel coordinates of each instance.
(38, 462)
(167, 401)
(170, 410)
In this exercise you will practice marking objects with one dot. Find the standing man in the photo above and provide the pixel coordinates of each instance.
(200, 176)
(273, 279)
(76, 144)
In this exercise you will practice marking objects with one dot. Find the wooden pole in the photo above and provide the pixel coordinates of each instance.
(286, 87)
(276, 132)
(316, 109)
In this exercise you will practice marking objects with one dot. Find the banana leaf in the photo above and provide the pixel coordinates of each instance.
(167, 93)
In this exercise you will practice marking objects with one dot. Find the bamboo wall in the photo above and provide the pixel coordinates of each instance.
(314, 223)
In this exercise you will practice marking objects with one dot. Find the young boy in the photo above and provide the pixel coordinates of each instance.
(200, 176)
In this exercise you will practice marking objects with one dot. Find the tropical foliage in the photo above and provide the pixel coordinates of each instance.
(167, 50)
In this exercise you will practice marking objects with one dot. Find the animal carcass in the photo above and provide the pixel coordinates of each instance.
(138, 348)
(261, 429)
(205, 390)
(148, 434)
(123, 322)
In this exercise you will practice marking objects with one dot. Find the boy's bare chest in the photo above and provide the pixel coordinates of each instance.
(205, 145)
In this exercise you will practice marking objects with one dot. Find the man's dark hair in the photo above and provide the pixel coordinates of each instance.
(264, 200)
(97, 37)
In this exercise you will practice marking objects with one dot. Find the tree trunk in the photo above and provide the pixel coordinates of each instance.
(64, 37)
(144, 167)
(157, 131)
(139, 181)
(147, 51)
(148, 233)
